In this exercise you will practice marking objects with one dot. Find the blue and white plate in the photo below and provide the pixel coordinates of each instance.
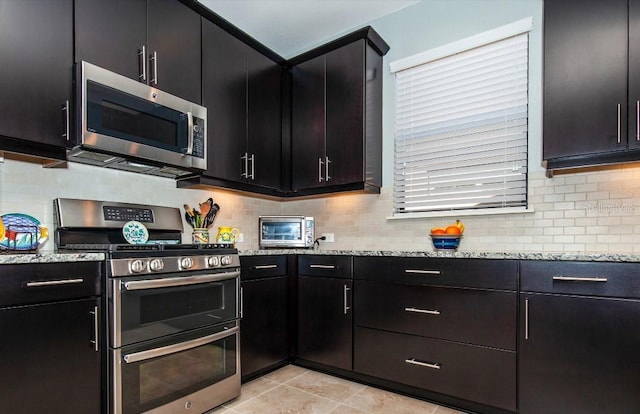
(135, 232)
(21, 232)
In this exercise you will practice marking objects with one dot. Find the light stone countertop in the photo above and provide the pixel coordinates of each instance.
(590, 257)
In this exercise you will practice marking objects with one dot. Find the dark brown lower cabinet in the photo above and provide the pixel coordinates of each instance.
(479, 374)
(579, 354)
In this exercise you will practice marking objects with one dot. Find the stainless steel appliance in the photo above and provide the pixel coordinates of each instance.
(172, 310)
(127, 125)
(286, 231)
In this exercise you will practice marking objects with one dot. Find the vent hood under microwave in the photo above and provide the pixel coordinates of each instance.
(127, 125)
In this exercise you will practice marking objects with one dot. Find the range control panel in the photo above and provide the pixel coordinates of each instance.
(143, 215)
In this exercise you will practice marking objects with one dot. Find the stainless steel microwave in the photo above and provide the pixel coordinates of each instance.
(286, 231)
(128, 125)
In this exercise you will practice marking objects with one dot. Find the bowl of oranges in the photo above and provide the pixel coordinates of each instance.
(448, 237)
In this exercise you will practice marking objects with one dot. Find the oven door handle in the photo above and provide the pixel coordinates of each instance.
(178, 281)
(183, 346)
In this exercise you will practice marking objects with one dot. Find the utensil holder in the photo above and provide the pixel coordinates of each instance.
(200, 236)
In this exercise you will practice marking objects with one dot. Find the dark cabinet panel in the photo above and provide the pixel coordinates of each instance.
(53, 366)
(464, 315)
(578, 355)
(325, 332)
(634, 77)
(473, 373)
(36, 49)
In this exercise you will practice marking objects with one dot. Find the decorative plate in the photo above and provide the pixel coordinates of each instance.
(21, 232)
(135, 232)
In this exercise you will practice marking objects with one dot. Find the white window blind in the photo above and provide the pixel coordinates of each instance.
(461, 130)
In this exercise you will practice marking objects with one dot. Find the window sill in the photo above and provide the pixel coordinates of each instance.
(462, 213)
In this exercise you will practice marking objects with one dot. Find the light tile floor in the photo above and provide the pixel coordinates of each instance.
(296, 390)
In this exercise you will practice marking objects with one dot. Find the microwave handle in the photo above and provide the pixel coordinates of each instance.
(190, 134)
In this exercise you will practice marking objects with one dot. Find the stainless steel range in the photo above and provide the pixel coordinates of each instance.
(171, 309)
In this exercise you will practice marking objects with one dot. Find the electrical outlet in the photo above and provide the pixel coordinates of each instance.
(240, 238)
(329, 237)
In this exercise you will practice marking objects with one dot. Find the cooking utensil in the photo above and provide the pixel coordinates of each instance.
(206, 207)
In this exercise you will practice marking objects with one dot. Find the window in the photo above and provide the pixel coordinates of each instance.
(461, 125)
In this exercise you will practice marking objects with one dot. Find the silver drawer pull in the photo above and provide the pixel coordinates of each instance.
(313, 266)
(413, 361)
(261, 267)
(423, 272)
(579, 279)
(54, 282)
(416, 310)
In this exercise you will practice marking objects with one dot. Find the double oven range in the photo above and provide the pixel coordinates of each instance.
(170, 319)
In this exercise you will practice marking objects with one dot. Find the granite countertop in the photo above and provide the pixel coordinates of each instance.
(591, 257)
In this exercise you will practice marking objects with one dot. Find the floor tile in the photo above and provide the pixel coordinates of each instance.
(375, 401)
(252, 389)
(286, 400)
(327, 386)
(345, 409)
(286, 373)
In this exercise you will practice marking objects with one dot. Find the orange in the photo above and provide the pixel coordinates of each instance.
(453, 230)
(438, 231)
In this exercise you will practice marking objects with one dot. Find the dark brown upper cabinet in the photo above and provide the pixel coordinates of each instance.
(336, 117)
(156, 42)
(591, 113)
(36, 49)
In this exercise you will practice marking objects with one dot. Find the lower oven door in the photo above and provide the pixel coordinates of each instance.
(191, 372)
(150, 307)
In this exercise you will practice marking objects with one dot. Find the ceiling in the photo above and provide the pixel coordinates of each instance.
(290, 27)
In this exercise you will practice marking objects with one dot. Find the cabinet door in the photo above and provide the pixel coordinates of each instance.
(48, 362)
(264, 81)
(174, 39)
(110, 34)
(634, 77)
(578, 355)
(585, 77)
(263, 336)
(36, 50)
(345, 113)
(325, 321)
(224, 92)
(308, 126)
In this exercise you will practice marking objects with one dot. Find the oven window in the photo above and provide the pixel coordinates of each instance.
(282, 231)
(157, 381)
(179, 303)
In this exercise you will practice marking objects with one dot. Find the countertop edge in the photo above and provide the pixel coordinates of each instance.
(50, 258)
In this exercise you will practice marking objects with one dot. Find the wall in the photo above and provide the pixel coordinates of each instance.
(589, 211)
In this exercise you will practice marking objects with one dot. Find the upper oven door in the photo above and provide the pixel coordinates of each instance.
(125, 117)
(153, 306)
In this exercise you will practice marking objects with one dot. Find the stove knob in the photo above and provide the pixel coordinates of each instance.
(213, 261)
(156, 265)
(186, 262)
(137, 266)
(225, 260)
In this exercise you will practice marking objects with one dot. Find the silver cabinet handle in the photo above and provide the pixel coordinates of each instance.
(319, 266)
(178, 281)
(413, 361)
(189, 134)
(346, 294)
(261, 267)
(96, 328)
(241, 302)
(429, 312)
(54, 282)
(245, 172)
(526, 319)
(182, 346)
(423, 272)
(67, 121)
(154, 59)
(253, 167)
(637, 120)
(326, 168)
(142, 53)
(618, 123)
(579, 279)
(320, 177)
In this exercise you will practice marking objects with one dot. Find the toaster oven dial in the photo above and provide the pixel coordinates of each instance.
(186, 262)
(225, 260)
(156, 265)
(213, 261)
(137, 266)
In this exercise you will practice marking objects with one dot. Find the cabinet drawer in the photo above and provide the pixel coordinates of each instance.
(581, 278)
(466, 315)
(22, 284)
(483, 273)
(259, 267)
(326, 266)
(483, 375)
